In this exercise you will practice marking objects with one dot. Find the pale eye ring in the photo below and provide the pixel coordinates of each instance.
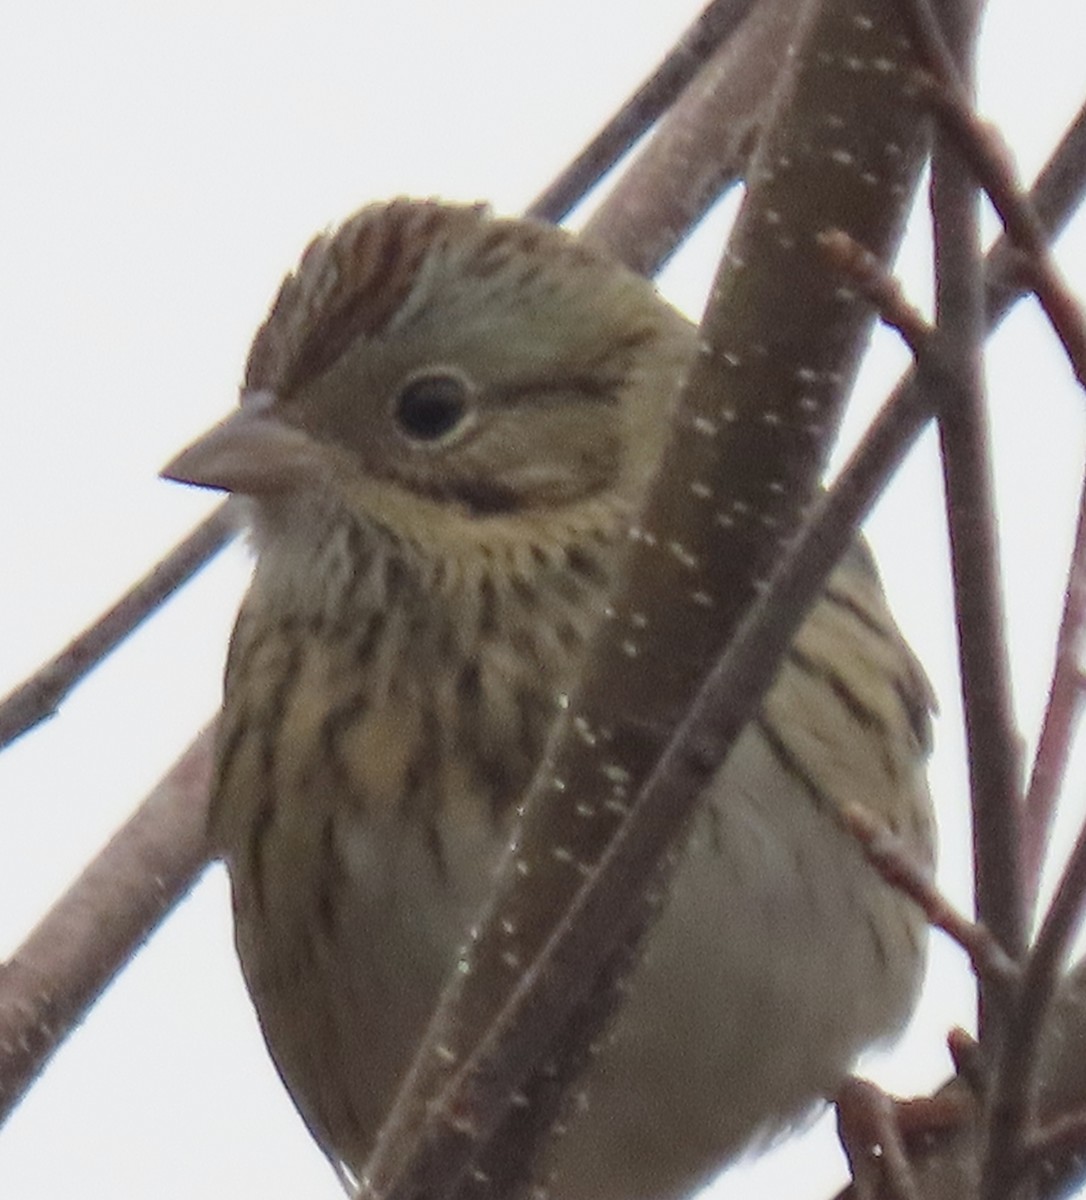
(433, 407)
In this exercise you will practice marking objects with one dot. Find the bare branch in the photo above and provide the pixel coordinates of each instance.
(1016, 1089)
(992, 739)
(993, 167)
(701, 147)
(1065, 700)
(42, 694)
(867, 1125)
(888, 852)
(879, 286)
(92, 930)
(1054, 197)
(713, 27)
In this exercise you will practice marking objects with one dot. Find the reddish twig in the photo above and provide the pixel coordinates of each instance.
(998, 861)
(965, 1054)
(1065, 701)
(988, 958)
(868, 1131)
(992, 165)
(1054, 197)
(889, 854)
(876, 283)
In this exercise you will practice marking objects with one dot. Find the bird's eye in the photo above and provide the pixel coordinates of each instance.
(430, 407)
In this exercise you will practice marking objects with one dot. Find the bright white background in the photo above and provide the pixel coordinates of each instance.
(163, 165)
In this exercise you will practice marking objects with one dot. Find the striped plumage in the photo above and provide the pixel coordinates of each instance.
(447, 420)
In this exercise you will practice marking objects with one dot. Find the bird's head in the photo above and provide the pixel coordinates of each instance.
(429, 367)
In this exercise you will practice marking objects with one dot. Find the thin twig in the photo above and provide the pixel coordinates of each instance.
(992, 166)
(992, 739)
(1016, 1087)
(1065, 701)
(1067, 686)
(41, 695)
(655, 96)
(991, 163)
(890, 855)
(876, 283)
(1054, 197)
(702, 145)
(887, 852)
(867, 1126)
(1010, 1032)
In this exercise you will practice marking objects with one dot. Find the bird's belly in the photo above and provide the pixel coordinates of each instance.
(778, 956)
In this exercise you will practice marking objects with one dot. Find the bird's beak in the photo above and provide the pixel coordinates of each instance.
(252, 451)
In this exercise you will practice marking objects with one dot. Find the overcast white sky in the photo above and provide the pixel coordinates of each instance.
(163, 165)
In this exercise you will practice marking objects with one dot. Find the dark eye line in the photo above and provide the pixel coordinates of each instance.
(599, 389)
